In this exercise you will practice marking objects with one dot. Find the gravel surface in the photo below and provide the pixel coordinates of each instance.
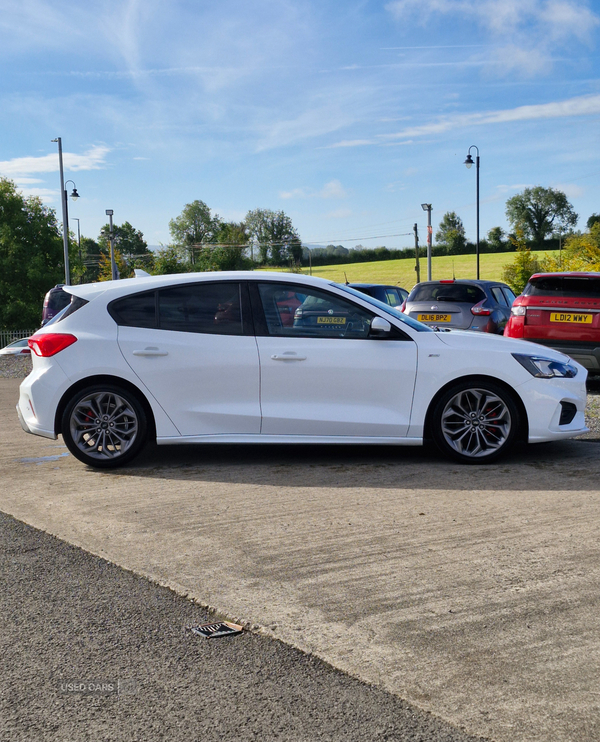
(16, 367)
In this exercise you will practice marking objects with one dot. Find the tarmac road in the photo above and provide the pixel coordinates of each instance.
(471, 592)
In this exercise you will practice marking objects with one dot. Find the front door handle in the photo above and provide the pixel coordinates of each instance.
(287, 357)
(150, 352)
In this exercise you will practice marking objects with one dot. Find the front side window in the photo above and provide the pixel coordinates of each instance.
(294, 311)
(202, 307)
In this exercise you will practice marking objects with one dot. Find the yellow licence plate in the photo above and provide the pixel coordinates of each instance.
(580, 319)
(331, 320)
(433, 318)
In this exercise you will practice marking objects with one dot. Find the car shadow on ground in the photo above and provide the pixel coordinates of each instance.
(560, 465)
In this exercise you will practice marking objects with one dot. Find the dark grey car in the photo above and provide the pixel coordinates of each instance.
(461, 304)
(392, 295)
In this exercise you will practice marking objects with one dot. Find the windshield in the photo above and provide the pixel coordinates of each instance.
(418, 326)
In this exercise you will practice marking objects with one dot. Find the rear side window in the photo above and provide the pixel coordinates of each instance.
(58, 299)
(499, 296)
(76, 303)
(392, 297)
(457, 292)
(136, 310)
(204, 307)
(564, 286)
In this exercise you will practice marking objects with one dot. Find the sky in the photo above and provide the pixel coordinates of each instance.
(347, 115)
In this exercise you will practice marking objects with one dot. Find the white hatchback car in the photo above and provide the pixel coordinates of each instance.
(252, 357)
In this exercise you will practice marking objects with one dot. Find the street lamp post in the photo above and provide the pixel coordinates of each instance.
(469, 163)
(427, 208)
(113, 265)
(65, 210)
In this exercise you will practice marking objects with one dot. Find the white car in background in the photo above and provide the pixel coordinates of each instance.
(16, 348)
(251, 357)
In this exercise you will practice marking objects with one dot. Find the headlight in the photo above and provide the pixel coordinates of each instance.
(545, 368)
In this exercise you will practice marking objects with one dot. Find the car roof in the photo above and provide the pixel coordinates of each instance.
(374, 285)
(475, 281)
(566, 274)
(124, 286)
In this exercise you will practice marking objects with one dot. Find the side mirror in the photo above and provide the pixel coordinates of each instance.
(380, 327)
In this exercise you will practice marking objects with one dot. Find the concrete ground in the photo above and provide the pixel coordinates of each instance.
(471, 592)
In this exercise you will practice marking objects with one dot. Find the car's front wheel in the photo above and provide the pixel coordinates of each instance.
(475, 422)
(104, 426)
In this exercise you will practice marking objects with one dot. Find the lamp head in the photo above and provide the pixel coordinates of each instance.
(74, 195)
(469, 161)
(426, 207)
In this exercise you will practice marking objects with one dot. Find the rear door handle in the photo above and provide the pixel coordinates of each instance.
(150, 352)
(288, 357)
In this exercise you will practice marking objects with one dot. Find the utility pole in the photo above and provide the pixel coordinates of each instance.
(114, 274)
(417, 266)
(427, 208)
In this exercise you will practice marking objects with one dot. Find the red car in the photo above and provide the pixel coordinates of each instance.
(562, 311)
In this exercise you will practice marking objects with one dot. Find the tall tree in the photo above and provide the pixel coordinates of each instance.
(593, 219)
(451, 233)
(194, 227)
(31, 257)
(540, 211)
(274, 235)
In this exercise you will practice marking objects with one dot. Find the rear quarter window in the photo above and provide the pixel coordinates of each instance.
(136, 310)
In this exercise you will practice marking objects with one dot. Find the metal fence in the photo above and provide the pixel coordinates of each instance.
(9, 336)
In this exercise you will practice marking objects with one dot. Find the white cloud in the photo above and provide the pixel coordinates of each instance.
(339, 214)
(586, 105)
(528, 31)
(93, 159)
(570, 189)
(333, 189)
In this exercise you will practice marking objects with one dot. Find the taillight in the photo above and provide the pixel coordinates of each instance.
(403, 307)
(480, 311)
(49, 344)
(518, 311)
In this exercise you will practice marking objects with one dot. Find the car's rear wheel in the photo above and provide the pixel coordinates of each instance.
(104, 426)
(475, 422)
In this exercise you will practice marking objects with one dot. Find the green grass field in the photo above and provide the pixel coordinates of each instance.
(402, 272)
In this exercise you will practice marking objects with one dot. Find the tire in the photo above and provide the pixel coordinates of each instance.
(475, 422)
(104, 426)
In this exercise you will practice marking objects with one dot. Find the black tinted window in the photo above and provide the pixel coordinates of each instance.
(136, 310)
(202, 307)
(458, 292)
(58, 299)
(563, 286)
(76, 303)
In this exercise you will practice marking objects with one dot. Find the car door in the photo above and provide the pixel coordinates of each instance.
(325, 374)
(192, 347)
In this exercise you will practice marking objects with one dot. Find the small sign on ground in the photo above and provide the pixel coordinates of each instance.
(213, 630)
